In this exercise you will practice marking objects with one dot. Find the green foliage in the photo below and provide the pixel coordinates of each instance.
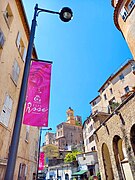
(99, 176)
(90, 178)
(77, 123)
(70, 157)
(114, 105)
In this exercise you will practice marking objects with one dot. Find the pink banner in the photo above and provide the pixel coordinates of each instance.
(38, 94)
(41, 161)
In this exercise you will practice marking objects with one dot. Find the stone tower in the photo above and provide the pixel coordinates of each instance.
(124, 19)
(70, 116)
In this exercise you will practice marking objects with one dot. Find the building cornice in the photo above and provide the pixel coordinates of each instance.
(116, 73)
(116, 11)
(23, 17)
(112, 3)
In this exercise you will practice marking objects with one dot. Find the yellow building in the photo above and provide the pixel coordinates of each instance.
(14, 35)
(124, 19)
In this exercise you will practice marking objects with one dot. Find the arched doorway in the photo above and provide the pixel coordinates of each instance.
(107, 163)
(66, 176)
(118, 154)
(132, 138)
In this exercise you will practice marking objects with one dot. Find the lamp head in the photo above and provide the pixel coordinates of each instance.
(66, 14)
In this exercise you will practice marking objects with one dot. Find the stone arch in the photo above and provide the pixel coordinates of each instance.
(118, 154)
(107, 162)
(132, 137)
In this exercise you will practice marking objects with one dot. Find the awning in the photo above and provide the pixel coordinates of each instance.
(79, 173)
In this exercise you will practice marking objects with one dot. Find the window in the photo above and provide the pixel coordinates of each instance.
(27, 133)
(2, 39)
(124, 14)
(36, 150)
(93, 148)
(87, 141)
(91, 128)
(111, 91)
(105, 97)
(121, 77)
(130, 4)
(126, 89)
(6, 111)
(20, 46)
(8, 15)
(22, 171)
(91, 138)
(15, 72)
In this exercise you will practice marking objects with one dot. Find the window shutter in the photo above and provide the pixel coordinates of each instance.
(26, 170)
(15, 71)
(27, 132)
(6, 111)
(24, 54)
(18, 40)
(2, 39)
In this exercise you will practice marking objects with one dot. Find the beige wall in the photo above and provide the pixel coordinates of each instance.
(127, 26)
(88, 129)
(8, 54)
(117, 87)
(116, 127)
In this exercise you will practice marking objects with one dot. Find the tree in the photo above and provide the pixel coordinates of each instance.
(70, 157)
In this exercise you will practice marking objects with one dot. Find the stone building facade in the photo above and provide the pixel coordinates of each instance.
(69, 133)
(115, 138)
(115, 89)
(14, 35)
(113, 115)
(50, 138)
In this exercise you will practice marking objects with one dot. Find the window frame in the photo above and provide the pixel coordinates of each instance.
(6, 111)
(15, 72)
(8, 15)
(20, 46)
(127, 89)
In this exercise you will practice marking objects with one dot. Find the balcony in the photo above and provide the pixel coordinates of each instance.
(126, 95)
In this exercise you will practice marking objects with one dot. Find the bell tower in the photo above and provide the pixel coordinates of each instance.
(70, 116)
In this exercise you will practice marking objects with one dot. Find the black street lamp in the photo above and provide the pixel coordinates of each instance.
(39, 145)
(65, 15)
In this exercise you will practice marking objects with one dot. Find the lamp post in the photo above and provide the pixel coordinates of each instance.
(39, 145)
(65, 15)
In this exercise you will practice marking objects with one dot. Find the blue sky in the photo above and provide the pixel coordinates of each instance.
(84, 51)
